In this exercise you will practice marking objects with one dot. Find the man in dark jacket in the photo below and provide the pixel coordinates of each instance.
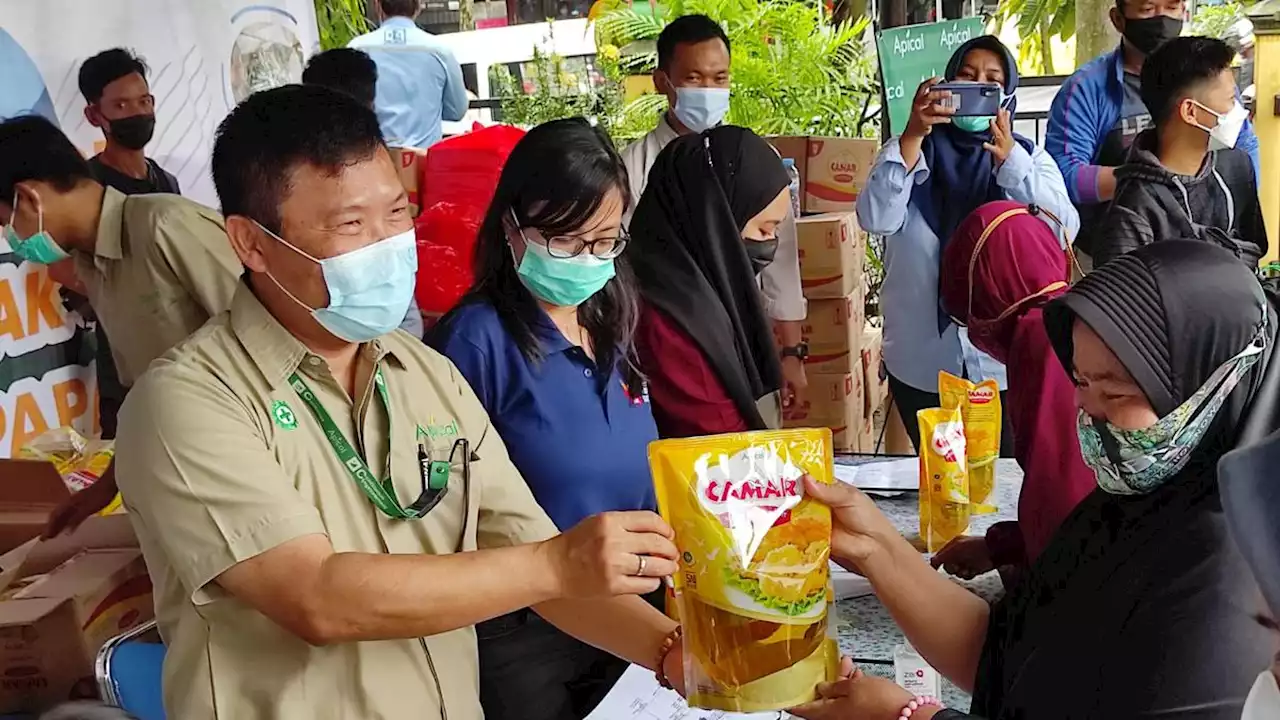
(1185, 177)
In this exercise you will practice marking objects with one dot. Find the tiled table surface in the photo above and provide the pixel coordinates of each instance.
(865, 629)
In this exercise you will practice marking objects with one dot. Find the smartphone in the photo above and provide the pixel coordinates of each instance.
(970, 99)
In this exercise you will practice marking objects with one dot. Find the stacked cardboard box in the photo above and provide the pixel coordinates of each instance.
(876, 389)
(60, 601)
(843, 366)
(411, 162)
(832, 170)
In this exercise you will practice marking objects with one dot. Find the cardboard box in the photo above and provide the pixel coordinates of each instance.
(62, 599)
(833, 330)
(877, 387)
(834, 401)
(833, 250)
(411, 163)
(832, 170)
(29, 492)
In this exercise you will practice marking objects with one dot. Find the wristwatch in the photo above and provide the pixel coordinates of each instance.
(799, 352)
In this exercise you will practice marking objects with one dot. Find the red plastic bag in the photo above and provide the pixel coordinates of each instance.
(446, 252)
(458, 181)
(464, 169)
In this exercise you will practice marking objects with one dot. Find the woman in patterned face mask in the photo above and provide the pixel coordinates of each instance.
(1139, 606)
(1168, 348)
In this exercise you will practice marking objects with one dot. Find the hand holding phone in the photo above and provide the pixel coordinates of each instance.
(927, 109)
(1002, 141)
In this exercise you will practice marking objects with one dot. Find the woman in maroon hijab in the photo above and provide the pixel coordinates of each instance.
(1000, 268)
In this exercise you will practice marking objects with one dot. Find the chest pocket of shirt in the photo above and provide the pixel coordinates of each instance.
(451, 524)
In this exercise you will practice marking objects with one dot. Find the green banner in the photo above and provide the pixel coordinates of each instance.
(912, 54)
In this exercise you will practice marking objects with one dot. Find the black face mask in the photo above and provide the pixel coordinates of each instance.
(761, 254)
(1147, 34)
(133, 132)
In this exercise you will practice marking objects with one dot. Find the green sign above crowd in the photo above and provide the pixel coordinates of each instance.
(910, 55)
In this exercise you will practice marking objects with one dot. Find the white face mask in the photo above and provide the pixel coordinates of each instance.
(701, 109)
(1224, 135)
(1263, 702)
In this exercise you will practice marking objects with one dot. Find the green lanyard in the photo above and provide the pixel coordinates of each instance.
(381, 492)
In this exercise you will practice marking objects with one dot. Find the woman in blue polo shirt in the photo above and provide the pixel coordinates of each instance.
(544, 339)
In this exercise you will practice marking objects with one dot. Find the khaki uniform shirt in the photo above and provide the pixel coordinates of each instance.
(161, 268)
(220, 461)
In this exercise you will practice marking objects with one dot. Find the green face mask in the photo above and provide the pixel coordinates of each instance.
(567, 282)
(39, 248)
(973, 123)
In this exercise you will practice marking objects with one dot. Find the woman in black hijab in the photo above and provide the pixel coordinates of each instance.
(1140, 607)
(702, 233)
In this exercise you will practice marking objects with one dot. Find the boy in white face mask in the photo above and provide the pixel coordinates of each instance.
(1185, 177)
(693, 72)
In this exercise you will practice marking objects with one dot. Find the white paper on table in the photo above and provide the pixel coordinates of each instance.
(638, 696)
(900, 475)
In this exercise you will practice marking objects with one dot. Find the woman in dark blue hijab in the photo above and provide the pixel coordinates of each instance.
(926, 180)
(963, 155)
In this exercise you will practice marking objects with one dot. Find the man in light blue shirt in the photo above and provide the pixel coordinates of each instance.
(419, 80)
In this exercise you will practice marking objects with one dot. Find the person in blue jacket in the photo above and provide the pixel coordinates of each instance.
(1099, 110)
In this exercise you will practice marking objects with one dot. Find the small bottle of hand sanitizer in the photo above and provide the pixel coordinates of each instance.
(913, 674)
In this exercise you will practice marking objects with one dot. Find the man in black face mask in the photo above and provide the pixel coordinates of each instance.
(119, 102)
(1099, 110)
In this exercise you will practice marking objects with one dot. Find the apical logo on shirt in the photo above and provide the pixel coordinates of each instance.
(433, 430)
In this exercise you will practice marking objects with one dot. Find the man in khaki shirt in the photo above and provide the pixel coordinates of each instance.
(154, 267)
(324, 506)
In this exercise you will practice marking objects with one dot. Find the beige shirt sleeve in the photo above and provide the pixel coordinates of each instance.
(780, 282)
(195, 470)
(637, 162)
(508, 513)
(195, 246)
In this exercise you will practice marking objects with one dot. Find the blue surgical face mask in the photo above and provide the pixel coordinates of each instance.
(701, 109)
(369, 289)
(38, 248)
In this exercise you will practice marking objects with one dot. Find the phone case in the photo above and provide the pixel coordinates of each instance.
(972, 99)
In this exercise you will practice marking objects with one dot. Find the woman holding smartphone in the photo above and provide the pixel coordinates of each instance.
(925, 182)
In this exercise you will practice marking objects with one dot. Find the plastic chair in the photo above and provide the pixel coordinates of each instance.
(130, 671)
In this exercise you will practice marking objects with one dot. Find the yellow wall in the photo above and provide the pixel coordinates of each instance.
(1266, 76)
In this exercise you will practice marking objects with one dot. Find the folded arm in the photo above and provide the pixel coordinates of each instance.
(1072, 140)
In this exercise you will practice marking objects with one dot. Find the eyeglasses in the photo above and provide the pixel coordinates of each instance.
(570, 246)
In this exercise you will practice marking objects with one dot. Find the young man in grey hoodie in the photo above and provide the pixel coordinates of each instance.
(1184, 177)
